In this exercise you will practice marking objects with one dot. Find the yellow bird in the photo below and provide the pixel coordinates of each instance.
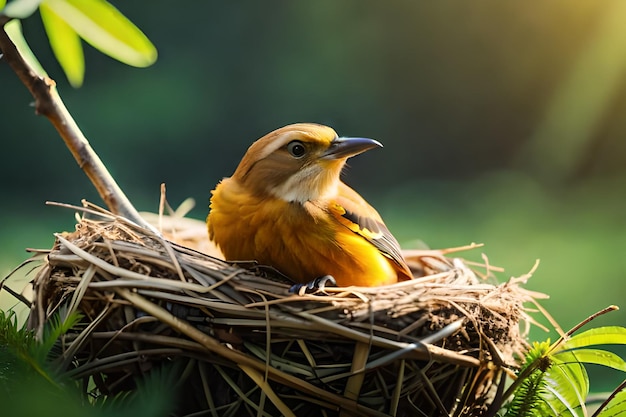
(286, 206)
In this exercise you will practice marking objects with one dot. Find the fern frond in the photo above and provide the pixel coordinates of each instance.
(528, 400)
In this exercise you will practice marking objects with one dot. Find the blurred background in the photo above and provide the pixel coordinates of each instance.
(503, 123)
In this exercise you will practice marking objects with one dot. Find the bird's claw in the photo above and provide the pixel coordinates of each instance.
(318, 284)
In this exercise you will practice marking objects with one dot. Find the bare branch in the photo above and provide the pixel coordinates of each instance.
(49, 103)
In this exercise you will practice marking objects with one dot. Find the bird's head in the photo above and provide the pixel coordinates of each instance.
(298, 163)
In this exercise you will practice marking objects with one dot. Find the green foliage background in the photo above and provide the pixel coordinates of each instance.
(503, 123)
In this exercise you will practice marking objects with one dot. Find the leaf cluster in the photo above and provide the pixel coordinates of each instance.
(553, 380)
(66, 22)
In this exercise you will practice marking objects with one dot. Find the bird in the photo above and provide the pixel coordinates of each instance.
(286, 206)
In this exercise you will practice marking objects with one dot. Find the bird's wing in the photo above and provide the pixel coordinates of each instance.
(351, 210)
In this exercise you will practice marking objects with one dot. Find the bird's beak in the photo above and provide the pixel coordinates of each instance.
(347, 147)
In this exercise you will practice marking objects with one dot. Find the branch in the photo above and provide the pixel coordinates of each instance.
(49, 103)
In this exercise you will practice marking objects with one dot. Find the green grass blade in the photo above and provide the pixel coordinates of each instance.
(609, 335)
(598, 357)
(616, 407)
(65, 44)
(106, 29)
(567, 383)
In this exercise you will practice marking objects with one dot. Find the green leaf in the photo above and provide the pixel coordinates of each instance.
(20, 9)
(106, 29)
(598, 357)
(573, 371)
(2, 3)
(14, 31)
(615, 407)
(609, 335)
(567, 382)
(65, 44)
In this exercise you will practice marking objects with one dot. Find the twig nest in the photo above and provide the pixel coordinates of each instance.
(437, 345)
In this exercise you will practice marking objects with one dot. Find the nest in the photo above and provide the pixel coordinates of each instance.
(437, 345)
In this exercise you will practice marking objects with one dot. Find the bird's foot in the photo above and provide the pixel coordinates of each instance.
(318, 284)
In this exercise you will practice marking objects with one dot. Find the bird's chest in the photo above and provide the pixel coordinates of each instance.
(277, 227)
(278, 232)
(303, 241)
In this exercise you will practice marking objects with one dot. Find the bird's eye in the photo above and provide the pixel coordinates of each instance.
(296, 149)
